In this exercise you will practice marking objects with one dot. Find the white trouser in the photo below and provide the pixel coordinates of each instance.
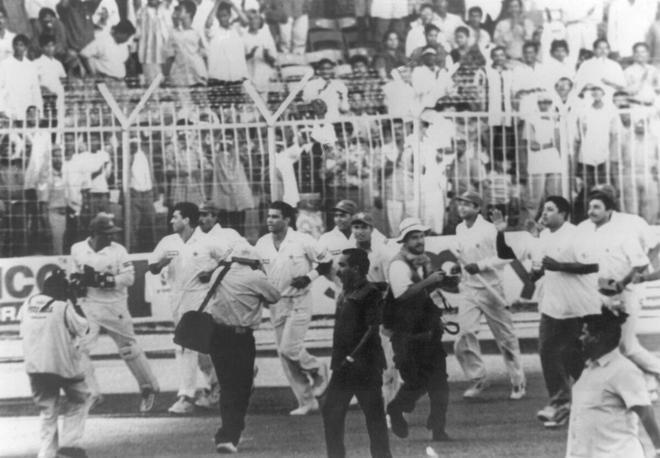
(391, 379)
(293, 35)
(630, 346)
(473, 304)
(434, 210)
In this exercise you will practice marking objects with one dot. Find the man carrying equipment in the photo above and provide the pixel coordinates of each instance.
(414, 321)
(102, 272)
(357, 358)
(51, 329)
(288, 257)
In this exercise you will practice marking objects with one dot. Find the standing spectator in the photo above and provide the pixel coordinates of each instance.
(98, 162)
(391, 56)
(528, 79)
(642, 78)
(416, 37)
(461, 44)
(226, 50)
(48, 24)
(328, 89)
(288, 257)
(513, 30)
(50, 72)
(107, 54)
(447, 22)
(293, 29)
(558, 65)
(6, 37)
(609, 398)
(478, 36)
(430, 81)
(154, 28)
(77, 181)
(500, 93)
(57, 201)
(388, 15)
(143, 214)
(628, 21)
(582, 20)
(261, 52)
(601, 71)
(19, 82)
(490, 12)
(76, 17)
(202, 10)
(185, 50)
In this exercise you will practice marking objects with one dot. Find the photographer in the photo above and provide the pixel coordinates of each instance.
(101, 272)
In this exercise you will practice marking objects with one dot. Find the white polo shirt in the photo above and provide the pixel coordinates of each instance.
(602, 424)
(380, 256)
(112, 259)
(476, 244)
(566, 295)
(225, 235)
(295, 258)
(334, 241)
(635, 224)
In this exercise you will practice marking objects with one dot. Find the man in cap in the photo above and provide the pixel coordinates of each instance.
(482, 295)
(336, 239)
(431, 81)
(414, 323)
(103, 272)
(607, 396)
(189, 256)
(236, 308)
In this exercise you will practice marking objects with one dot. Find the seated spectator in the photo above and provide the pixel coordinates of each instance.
(416, 37)
(478, 36)
(432, 39)
(6, 37)
(107, 54)
(361, 77)
(582, 20)
(293, 29)
(48, 24)
(513, 30)
(430, 81)
(470, 80)
(627, 23)
(185, 50)
(226, 50)
(642, 78)
(154, 28)
(558, 65)
(50, 72)
(390, 56)
(600, 71)
(19, 82)
(387, 15)
(462, 44)
(446, 22)
(261, 51)
(325, 87)
(528, 79)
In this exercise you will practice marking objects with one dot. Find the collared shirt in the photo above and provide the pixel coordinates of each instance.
(595, 126)
(50, 335)
(334, 241)
(106, 56)
(295, 258)
(602, 424)
(584, 11)
(333, 92)
(140, 172)
(112, 259)
(476, 244)
(430, 84)
(50, 72)
(566, 295)
(19, 87)
(226, 55)
(622, 14)
(634, 224)
(225, 235)
(239, 297)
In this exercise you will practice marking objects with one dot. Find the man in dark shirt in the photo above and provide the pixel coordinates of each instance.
(357, 358)
(76, 16)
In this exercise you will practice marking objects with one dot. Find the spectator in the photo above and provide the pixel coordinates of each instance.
(331, 91)
(48, 24)
(600, 71)
(490, 11)
(226, 50)
(185, 165)
(33, 9)
(107, 54)
(553, 29)
(430, 81)
(388, 15)
(6, 37)
(447, 22)
(432, 39)
(154, 28)
(76, 17)
(582, 20)
(653, 38)
(293, 30)
(261, 52)
(390, 57)
(399, 190)
(478, 36)
(499, 80)
(564, 98)
(76, 181)
(628, 21)
(419, 30)
(19, 82)
(185, 50)
(558, 65)
(50, 72)
(361, 81)
(528, 79)
(106, 15)
(461, 44)
(143, 214)
(470, 80)
(642, 78)
(57, 203)
(97, 159)
(513, 30)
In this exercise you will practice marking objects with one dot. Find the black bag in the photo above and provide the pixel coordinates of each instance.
(195, 329)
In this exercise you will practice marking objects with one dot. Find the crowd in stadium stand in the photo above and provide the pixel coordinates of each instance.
(588, 63)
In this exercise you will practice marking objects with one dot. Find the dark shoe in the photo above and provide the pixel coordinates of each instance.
(72, 452)
(399, 424)
(440, 436)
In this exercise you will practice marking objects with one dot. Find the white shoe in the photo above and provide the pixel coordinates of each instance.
(147, 401)
(476, 390)
(518, 392)
(306, 409)
(204, 399)
(226, 447)
(182, 406)
(560, 418)
(547, 413)
(320, 381)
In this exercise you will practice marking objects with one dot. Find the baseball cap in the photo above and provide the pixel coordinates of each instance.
(409, 225)
(471, 196)
(346, 206)
(363, 217)
(103, 223)
(429, 50)
(209, 207)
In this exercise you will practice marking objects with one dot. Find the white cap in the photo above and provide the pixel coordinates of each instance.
(409, 225)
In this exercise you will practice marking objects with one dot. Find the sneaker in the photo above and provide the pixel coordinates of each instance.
(226, 447)
(547, 413)
(204, 399)
(518, 392)
(476, 389)
(72, 452)
(147, 401)
(560, 419)
(306, 409)
(182, 406)
(320, 381)
(398, 422)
